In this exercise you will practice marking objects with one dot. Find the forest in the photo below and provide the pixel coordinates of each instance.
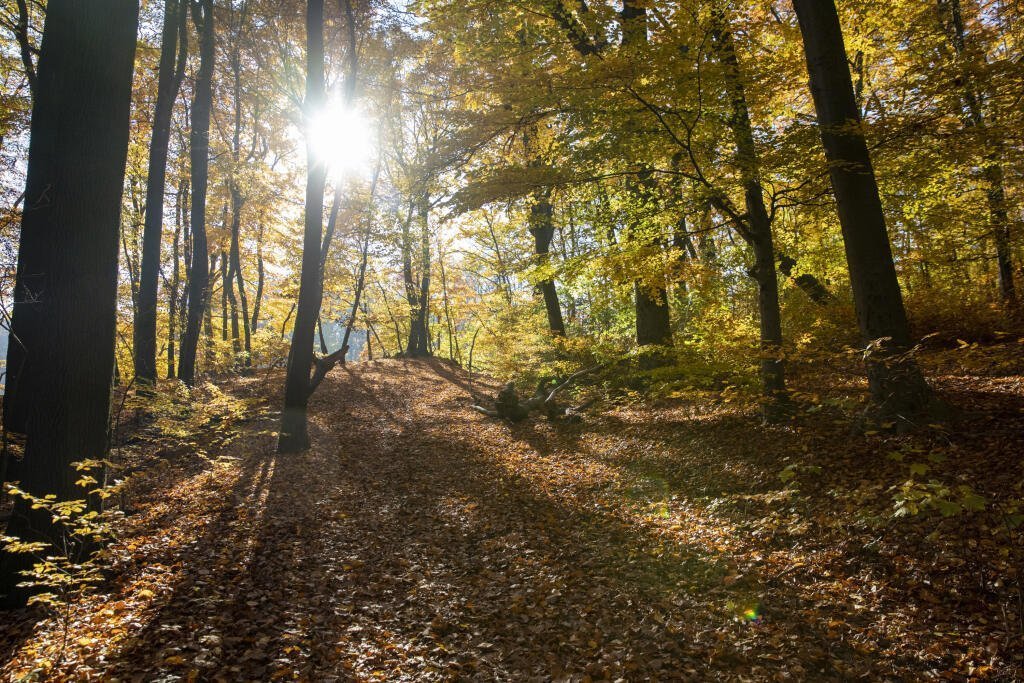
(547, 340)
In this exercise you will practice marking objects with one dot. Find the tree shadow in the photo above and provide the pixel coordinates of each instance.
(420, 541)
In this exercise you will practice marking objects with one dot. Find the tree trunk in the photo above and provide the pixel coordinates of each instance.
(199, 152)
(239, 279)
(897, 385)
(259, 281)
(543, 230)
(756, 228)
(294, 436)
(65, 311)
(172, 295)
(419, 327)
(208, 311)
(171, 73)
(653, 323)
(993, 171)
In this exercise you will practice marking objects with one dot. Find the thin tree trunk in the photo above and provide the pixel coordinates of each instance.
(284, 325)
(237, 202)
(172, 295)
(993, 171)
(896, 383)
(756, 229)
(25, 47)
(363, 259)
(411, 295)
(394, 320)
(199, 152)
(421, 316)
(208, 342)
(453, 340)
(369, 333)
(294, 436)
(65, 304)
(259, 281)
(171, 73)
(320, 332)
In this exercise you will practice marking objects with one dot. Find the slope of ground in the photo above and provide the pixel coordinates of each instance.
(419, 541)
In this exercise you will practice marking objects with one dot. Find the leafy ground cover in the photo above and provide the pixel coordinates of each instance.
(419, 540)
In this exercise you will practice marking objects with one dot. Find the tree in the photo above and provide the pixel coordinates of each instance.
(171, 73)
(199, 153)
(755, 225)
(294, 436)
(653, 323)
(974, 117)
(896, 383)
(65, 304)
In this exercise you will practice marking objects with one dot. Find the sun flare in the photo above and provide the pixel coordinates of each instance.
(344, 139)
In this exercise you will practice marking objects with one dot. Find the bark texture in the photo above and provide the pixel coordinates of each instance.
(64, 321)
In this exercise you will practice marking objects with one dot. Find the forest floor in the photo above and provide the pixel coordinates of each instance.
(418, 540)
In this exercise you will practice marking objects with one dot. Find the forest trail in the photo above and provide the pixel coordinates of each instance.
(419, 540)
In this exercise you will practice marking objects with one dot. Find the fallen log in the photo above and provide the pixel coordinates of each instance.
(508, 405)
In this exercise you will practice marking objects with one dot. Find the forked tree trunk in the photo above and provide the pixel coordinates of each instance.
(199, 153)
(756, 226)
(65, 311)
(896, 383)
(294, 435)
(171, 73)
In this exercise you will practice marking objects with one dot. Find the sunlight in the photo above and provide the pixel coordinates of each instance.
(344, 139)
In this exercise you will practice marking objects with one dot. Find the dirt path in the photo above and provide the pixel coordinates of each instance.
(421, 541)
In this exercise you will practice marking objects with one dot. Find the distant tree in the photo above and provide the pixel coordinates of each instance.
(65, 311)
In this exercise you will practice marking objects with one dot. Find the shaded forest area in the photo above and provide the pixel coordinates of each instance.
(590, 340)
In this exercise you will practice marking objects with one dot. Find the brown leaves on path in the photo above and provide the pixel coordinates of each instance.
(418, 540)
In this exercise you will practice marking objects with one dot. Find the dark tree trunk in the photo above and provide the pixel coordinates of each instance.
(756, 227)
(419, 309)
(226, 294)
(897, 385)
(199, 151)
(411, 294)
(186, 263)
(259, 281)
(320, 333)
(25, 46)
(208, 340)
(543, 230)
(237, 202)
(294, 436)
(653, 326)
(239, 279)
(653, 322)
(65, 310)
(172, 297)
(169, 81)
(993, 171)
(364, 253)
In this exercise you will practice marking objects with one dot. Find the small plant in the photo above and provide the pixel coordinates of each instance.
(69, 567)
